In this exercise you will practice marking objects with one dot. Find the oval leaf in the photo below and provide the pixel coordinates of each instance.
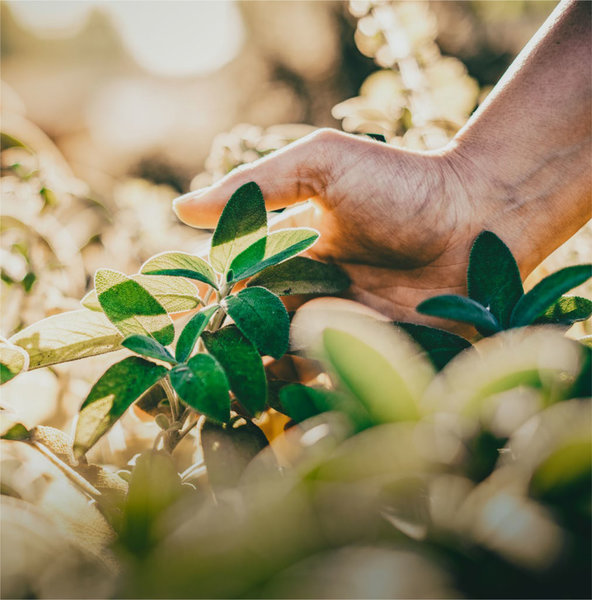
(192, 331)
(370, 377)
(131, 308)
(174, 293)
(242, 223)
(279, 246)
(493, 277)
(567, 310)
(302, 275)
(13, 360)
(67, 336)
(441, 346)
(111, 396)
(242, 364)
(180, 264)
(202, 384)
(228, 449)
(547, 292)
(262, 318)
(458, 308)
(147, 346)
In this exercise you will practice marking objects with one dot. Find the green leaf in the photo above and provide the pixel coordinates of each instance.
(242, 223)
(567, 310)
(13, 360)
(180, 264)
(67, 336)
(301, 275)
(301, 402)
(279, 246)
(548, 291)
(131, 308)
(377, 136)
(493, 277)
(154, 486)
(458, 308)
(192, 331)
(242, 364)
(174, 293)
(111, 396)
(372, 379)
(228, 450)
(147, 346)
(262, 318)
(202, 384)
(441, 346)
(16, 432)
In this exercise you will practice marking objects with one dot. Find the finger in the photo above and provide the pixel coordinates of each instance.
(292, 174)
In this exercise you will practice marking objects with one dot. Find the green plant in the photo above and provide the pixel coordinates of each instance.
(497, 301)
(134, 312)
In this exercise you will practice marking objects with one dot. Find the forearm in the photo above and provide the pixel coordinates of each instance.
(530, 142)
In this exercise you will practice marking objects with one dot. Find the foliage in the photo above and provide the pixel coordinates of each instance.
(385, 461)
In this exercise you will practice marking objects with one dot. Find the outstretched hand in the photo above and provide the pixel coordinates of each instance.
(399, 223)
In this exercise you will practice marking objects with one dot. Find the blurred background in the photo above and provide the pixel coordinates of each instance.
(111, 109)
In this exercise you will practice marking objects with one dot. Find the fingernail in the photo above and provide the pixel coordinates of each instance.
(187, 198)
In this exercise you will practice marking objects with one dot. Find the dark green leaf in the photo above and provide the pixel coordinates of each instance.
(174, 293)
(180, 264)
(13, 360)
(377, 136)
(458, 308)
(301, 402)
(280, 245)
(242, 364)
(493, 278)
(248, 259)
(154, 486)
(262, 318)
(131, 308)
(67, 336)
(192, 331)
(202, 384)
(441, 346)
(111, 396)
(301, 275)
(147, 346)
(242, 223)
(228, 449)
(567, 310)
(548, 291)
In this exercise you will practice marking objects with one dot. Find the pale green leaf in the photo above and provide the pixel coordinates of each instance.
(180, 264)
(279, 246)
(174, 293)
(242, 223)
(13, 360)
(131, 308)
(373, 380)
(67, 336)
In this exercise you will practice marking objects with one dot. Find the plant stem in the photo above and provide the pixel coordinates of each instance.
(171, 396)
(207, 297)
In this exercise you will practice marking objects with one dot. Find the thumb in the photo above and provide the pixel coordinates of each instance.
(290, 175)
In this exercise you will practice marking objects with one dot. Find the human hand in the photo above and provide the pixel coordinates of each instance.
(399, 223)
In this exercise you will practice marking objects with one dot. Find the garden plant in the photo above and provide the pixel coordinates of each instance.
(414, 461)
